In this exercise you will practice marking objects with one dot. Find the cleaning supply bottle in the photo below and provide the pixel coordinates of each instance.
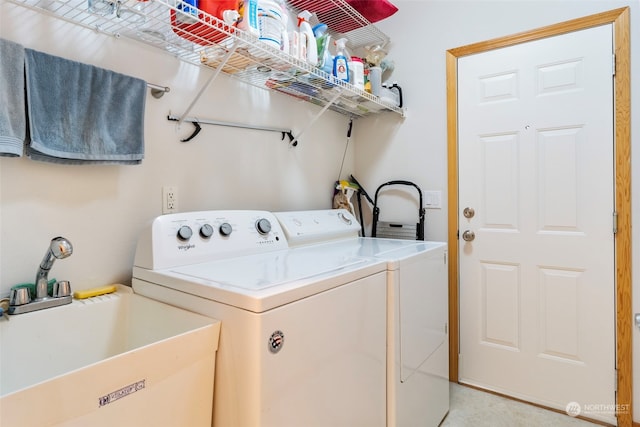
(340, 61)
(356, 68)
(285, 28)
(272, 22)
(307, 39)
(320, 32)
(301, 49)
(327, 65)
(225, 10)
(197, 27)
(294, 44)
(248, 10)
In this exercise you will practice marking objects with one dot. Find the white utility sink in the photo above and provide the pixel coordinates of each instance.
(117, 359)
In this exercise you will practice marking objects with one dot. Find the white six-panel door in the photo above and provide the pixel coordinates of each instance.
(537, 273)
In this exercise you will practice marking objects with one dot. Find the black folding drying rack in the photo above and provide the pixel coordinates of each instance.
(386, 229)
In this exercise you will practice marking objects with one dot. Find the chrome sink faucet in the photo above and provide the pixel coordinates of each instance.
(21, 300)
(59, 248)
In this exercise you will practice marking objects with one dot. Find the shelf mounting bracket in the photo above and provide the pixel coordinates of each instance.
(209, 81)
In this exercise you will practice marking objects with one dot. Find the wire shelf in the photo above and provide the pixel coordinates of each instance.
(205, 41)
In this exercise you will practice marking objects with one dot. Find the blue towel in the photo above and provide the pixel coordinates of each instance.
(13, 122)
(81, 114)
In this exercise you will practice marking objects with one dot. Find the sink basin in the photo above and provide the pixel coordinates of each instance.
(117, 359)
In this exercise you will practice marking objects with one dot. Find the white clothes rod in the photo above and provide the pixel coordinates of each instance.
(196, 122)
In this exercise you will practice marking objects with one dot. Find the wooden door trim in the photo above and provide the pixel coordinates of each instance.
(622, 146)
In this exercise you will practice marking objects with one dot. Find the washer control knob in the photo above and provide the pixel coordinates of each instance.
(206, 231)
(263, 226)
(225, 229)
(185, 233)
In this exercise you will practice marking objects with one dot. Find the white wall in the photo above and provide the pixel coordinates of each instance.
(101, 209)
(416, 149)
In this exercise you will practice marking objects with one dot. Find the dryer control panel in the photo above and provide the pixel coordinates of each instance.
(305, 227)
(194, 237)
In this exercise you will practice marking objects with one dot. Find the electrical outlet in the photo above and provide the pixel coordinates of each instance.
(169, 199)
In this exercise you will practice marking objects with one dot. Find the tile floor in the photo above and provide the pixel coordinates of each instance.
(475, 408)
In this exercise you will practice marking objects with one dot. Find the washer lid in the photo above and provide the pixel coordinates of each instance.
(265, 271)
(264, 281)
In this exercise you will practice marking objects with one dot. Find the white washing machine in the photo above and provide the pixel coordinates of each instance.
(302, 338)
(418, 350)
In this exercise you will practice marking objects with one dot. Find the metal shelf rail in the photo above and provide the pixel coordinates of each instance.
(212, 43)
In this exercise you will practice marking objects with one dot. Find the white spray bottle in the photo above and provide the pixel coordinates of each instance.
(308, 39)
(341, 61)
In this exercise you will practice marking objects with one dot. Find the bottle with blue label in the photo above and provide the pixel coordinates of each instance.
(248, 10)
(272, 22)
(189, 11)
(325, 61)
(340, 61)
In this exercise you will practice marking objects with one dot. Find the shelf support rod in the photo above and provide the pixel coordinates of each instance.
(294, 142)
(209, 81)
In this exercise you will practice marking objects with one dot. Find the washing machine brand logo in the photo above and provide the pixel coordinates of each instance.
(276, 341)
(186, 247)
(266, 241)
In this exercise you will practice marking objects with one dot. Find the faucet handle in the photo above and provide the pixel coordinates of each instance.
(19, 296)
(62, 289)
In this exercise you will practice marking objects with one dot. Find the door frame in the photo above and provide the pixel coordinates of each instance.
(622, 151)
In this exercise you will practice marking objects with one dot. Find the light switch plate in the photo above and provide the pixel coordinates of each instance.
(433, 199)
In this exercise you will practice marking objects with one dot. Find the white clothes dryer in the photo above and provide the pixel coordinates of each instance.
(302, 338)
(417, 304)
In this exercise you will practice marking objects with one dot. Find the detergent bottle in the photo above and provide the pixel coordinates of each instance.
(248, 11)
(187, 24)
(307, 40)
(340, 61)
(272, 22)
(225, 10)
